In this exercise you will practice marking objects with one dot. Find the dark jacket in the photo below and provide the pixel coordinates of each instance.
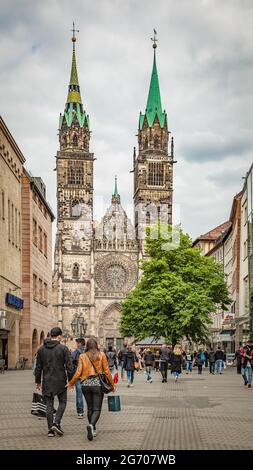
(212, 357)
(149, 358)
(165, 355)
(219, 355)
(53, 366)
(121, 354)
(112, 359)
(176, 363)
(129, 360)
(75, 357)
(238, 356)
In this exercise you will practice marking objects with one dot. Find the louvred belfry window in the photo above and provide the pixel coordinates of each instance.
(75, 173)
(155, 174)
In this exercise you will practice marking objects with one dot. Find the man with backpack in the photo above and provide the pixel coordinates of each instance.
(165, 354)
(54, 369)
(112, 359)
(148, 358)
(121, 359)
(80, 348)
(219, 358)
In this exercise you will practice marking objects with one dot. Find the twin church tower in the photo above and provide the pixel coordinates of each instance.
(97, 264)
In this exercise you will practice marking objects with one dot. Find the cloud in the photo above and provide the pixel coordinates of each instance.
(204, 59)
(202, 147)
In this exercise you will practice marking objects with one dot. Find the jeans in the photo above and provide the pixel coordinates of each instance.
(189, 366)
(149, 370)
(130, 375)
(94, 398)
(79, 397)
(244, 371)
(62, 397)
(211, 367)
(218, 366)
(164, 370)
(176, 374)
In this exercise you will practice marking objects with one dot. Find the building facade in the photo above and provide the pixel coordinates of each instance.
(37, 218)
(96, 264)
(11, 298)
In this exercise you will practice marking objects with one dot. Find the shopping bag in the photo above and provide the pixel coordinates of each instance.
(38, 406)
(114, 403)
(136, 366)
(116, 378)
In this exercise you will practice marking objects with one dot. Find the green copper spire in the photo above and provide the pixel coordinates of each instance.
(74, 105)
(73, 75)
(154, 105)
(116, 196)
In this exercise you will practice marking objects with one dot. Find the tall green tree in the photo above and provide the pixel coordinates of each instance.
(176, 293)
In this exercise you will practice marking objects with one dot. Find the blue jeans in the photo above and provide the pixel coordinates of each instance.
(148, 370)
(79, 397)
(176, 374)
(218, 365)
(189, 366)
(130, 375)
(244, 371)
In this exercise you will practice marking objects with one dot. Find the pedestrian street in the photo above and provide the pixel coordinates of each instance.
(198, 412)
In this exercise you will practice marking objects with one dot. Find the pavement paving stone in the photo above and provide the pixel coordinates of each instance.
(198, 412)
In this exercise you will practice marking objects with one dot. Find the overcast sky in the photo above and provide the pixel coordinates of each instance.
(204, 59)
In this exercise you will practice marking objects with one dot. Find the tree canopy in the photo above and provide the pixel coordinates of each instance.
(178, 289)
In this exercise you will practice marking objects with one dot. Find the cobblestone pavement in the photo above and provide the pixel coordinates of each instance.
(198, 412)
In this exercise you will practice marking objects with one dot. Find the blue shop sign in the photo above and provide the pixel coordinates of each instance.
(14, 301)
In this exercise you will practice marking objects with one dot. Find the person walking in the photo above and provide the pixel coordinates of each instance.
(219, 358)
(206, 354)
(157, 360)
(80, 348)
(148, 361)
(112, 359)
(199, 361)
(165, 354)
(91, 363)
(129, 365)
(184, 360)
(211, 361)
(238, 359)
(189, 361)
(176, 360)
(53, 367)
(121, 359)
(247, 363)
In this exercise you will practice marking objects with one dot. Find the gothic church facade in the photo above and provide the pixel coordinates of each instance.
(97, 265)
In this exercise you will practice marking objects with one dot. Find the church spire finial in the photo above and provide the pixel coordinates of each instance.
(74, 31)
(154, 39)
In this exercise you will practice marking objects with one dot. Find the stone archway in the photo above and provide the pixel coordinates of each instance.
(108, 327)
(34, 342)
(42, 337)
